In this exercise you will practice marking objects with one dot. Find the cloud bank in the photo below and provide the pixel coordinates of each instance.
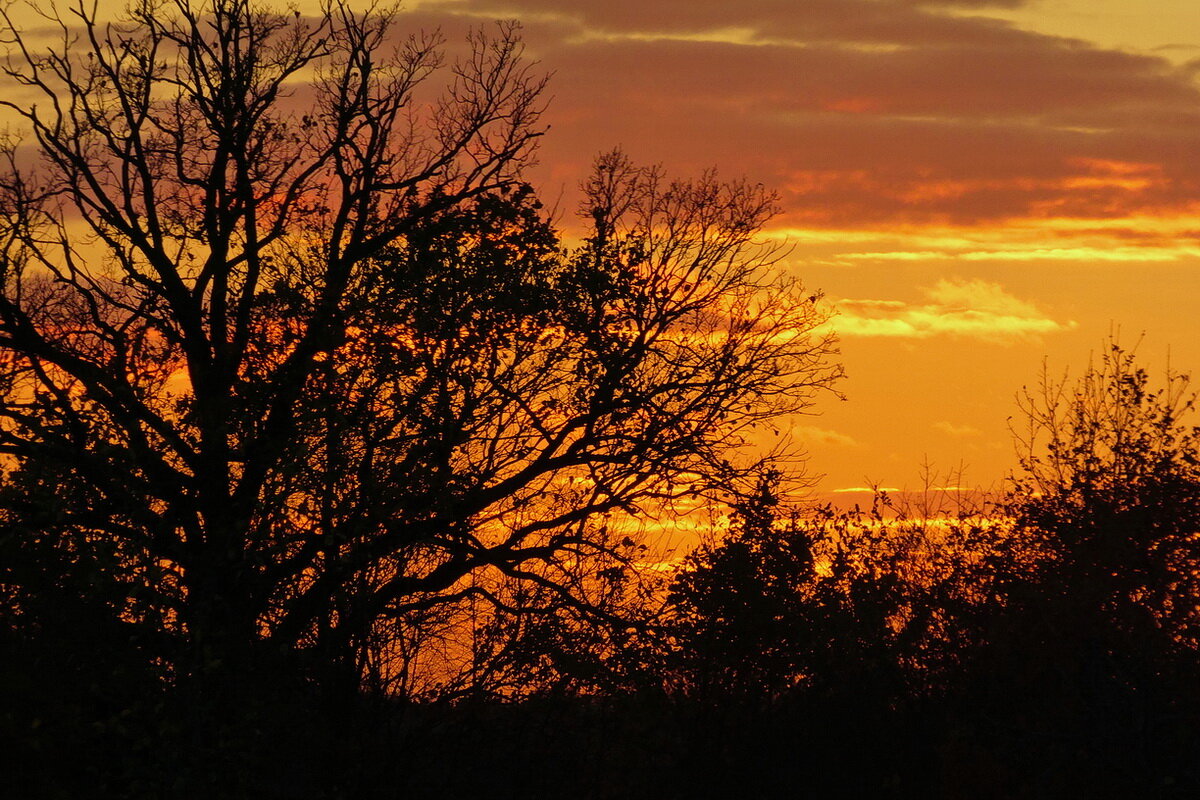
(865, 112)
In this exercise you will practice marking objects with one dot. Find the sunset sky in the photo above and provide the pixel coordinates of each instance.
(977, 185)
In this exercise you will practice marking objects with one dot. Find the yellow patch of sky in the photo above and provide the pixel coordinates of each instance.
(748, 36)
(1166, 28)
(733, 35)
(743, 37)
(926, 321)
(1024, 253)
(1165, 238)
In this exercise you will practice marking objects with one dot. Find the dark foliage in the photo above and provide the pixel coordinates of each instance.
(774, 609)
(1044, 647)
(1092, 652)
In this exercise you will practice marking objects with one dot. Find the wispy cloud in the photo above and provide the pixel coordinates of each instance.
(971, 308)
(957, 431)
(823, 436)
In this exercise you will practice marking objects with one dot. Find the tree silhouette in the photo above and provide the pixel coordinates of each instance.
(1083, 667)
(292, 358)
(1108, 501)
(1041, 644)
(786, 604)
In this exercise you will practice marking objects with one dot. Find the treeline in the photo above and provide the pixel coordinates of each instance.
(1037, 644)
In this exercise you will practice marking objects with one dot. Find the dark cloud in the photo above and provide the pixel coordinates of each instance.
(857, 21)
(972, 4)
(948, 82)
(864, 111)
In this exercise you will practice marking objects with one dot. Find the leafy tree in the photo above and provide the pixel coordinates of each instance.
(292, 358)
(1082, 660)
(776, 607)
(1111, 496)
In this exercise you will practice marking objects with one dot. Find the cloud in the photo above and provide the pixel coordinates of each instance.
(860, 21)
(823, 436)
(865, 113)
(965, 308)
(980, 296)
(957, 431)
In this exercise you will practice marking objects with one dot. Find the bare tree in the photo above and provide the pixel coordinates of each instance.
(290, 336)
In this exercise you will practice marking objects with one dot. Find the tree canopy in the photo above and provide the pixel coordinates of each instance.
(292, 354)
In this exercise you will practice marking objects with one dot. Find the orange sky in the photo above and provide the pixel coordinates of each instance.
(979, 183)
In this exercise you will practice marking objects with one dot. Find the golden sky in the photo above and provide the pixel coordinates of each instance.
(977, 184)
